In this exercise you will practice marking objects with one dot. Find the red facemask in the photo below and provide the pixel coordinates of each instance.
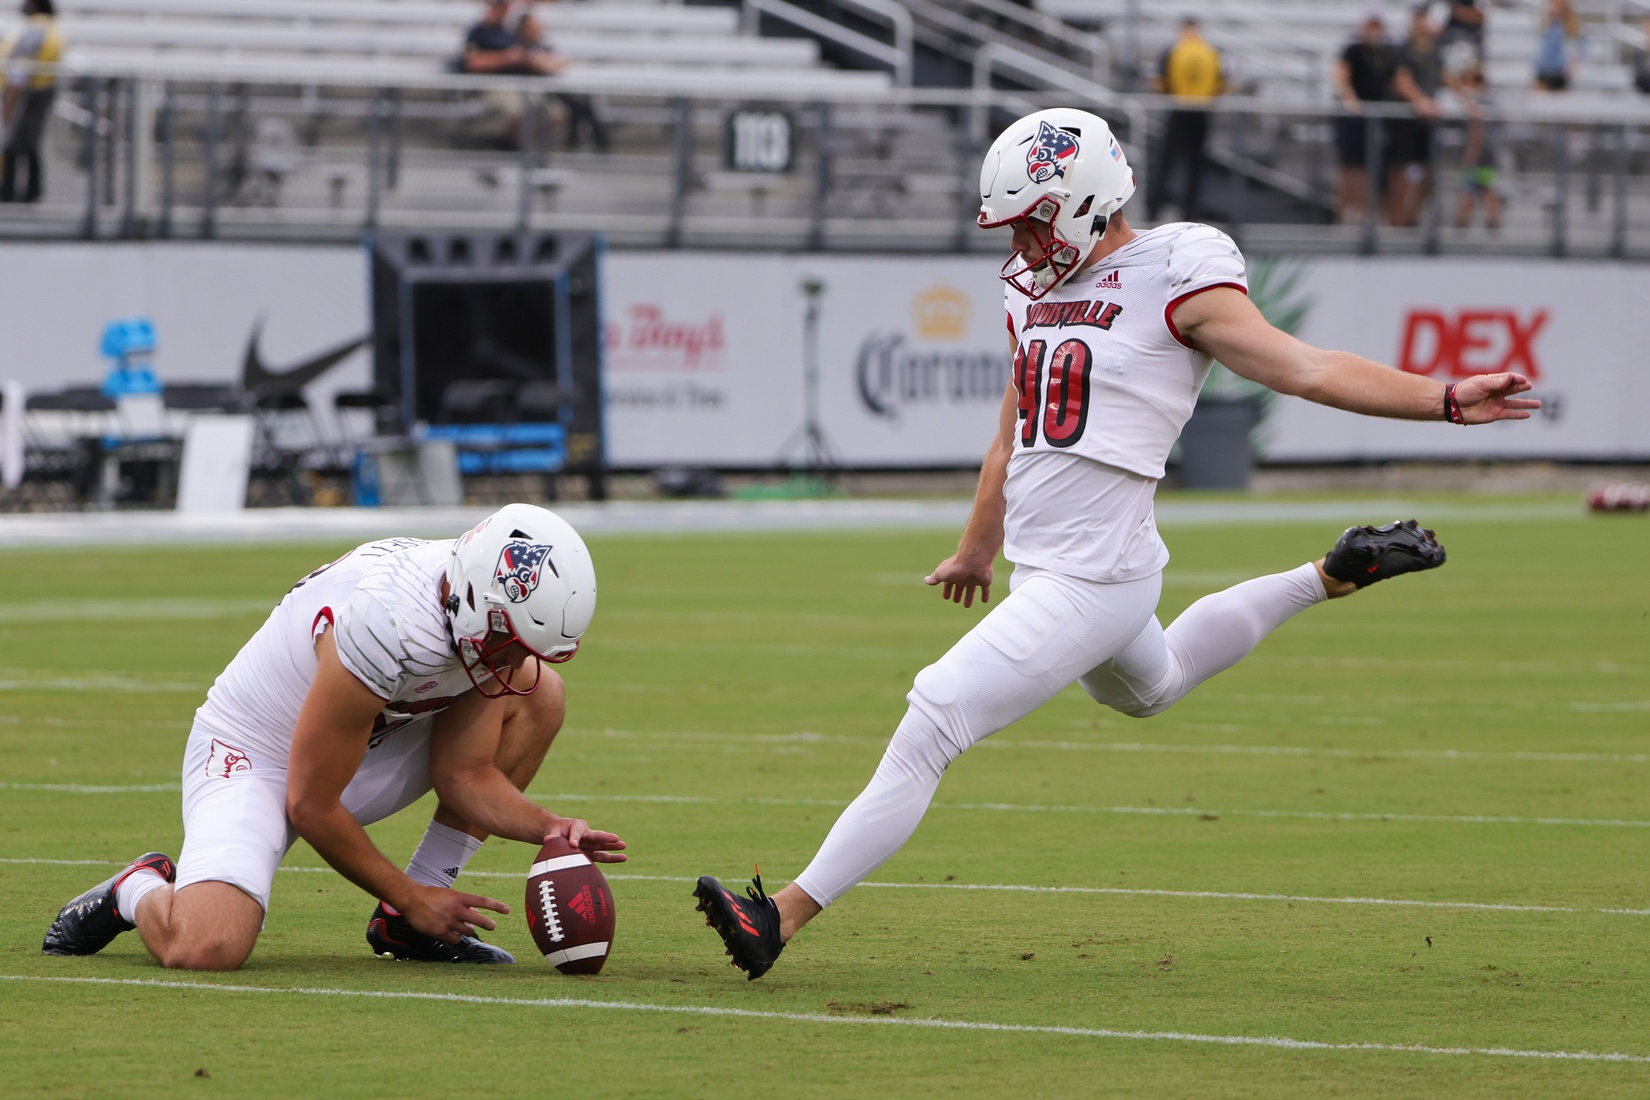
(481, 658)
(1053, 258)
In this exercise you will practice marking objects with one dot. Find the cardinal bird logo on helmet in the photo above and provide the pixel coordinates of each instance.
(1050, 153)
(519, 566)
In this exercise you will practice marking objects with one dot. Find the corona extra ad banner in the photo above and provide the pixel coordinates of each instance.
(708, 359)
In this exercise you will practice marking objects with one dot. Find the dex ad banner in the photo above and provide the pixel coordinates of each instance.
(1578, 329)
(707, 356)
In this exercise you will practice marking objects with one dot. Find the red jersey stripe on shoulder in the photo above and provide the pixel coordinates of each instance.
(1168, 310)
(315, 624)
(1008, 318)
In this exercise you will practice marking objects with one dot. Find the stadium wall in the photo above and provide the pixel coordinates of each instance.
(706, 352)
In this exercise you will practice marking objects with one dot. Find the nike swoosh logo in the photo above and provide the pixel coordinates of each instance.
(256, 377)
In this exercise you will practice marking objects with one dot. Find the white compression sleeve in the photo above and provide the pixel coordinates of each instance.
(1222, 628)
(1035, 643)
(877, 823)
(1161, 667)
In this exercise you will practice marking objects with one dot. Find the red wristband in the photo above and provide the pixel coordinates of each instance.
(1452, 407)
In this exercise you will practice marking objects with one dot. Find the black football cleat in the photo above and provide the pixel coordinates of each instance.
(749, 928)
(1364, 555)
(87, 924)
(392, 936)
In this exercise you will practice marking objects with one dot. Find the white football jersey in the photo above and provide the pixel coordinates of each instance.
(383, 602)
(1106, 384)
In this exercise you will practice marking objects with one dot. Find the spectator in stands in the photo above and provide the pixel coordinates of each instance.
(510, 43)
(1479, 176)
(1190, 70)
(492, 48)
(27, 102)
(1465, 24)
(582, 113)
(1419, 75)
(1364, 74)
(1641, 59)
(1555, 54)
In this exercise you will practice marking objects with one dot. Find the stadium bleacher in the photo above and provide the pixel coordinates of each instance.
(314, 115)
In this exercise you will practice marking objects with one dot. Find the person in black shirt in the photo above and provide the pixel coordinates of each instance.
(1641, 60)
(1465, 24)
(491, 46)
(1419, 75)
(1363, 75)
(495, 46)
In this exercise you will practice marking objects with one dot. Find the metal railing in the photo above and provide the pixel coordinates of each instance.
(132, 155)
(898, 58)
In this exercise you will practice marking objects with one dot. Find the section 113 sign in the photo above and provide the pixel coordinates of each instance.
(760, 141)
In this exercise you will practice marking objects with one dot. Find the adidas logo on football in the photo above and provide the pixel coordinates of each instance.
(1110, 282)
(583, 904)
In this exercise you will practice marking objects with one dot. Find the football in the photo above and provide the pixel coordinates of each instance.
(1619, 496)
(569, 909)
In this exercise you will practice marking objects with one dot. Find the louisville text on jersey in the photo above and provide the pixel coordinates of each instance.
(1097, 313)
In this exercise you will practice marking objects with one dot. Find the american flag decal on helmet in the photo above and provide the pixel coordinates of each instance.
(519, 566)
(1050, 153)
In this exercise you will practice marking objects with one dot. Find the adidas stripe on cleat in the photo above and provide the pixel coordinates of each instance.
(1364, 555)
(87, 924)
(749, 927)
(392, 936)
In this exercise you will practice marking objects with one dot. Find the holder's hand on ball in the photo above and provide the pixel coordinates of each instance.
(600, 846)
(449, 914)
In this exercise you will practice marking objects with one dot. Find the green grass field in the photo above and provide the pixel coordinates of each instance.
(1417, 818)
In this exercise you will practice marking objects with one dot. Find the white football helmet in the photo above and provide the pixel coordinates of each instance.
(1062, 172)
(520, 575)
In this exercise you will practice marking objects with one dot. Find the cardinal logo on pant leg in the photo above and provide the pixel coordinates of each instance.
(226, 760)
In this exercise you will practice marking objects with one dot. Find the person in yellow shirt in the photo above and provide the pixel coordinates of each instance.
(1190, 71)
(26, 104)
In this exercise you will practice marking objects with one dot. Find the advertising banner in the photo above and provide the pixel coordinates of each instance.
(707, 354)
(1578, 329)
(219, 310)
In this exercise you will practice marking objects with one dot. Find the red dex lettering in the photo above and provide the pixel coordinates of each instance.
(1472, 341)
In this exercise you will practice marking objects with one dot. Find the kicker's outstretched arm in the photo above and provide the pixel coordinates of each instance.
(1224, 324)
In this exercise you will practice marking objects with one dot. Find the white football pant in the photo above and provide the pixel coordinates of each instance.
(1051, 631)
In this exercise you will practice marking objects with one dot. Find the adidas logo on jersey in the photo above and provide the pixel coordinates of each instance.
(1110, 282)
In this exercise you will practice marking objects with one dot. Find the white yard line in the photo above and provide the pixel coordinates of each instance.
(1117, 891)
(87, 788)
(1203, 812)
(1274, 1041)
(1148, 811)
(91, 684)
(1373, 753)
(143, 609)
(264, 526)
